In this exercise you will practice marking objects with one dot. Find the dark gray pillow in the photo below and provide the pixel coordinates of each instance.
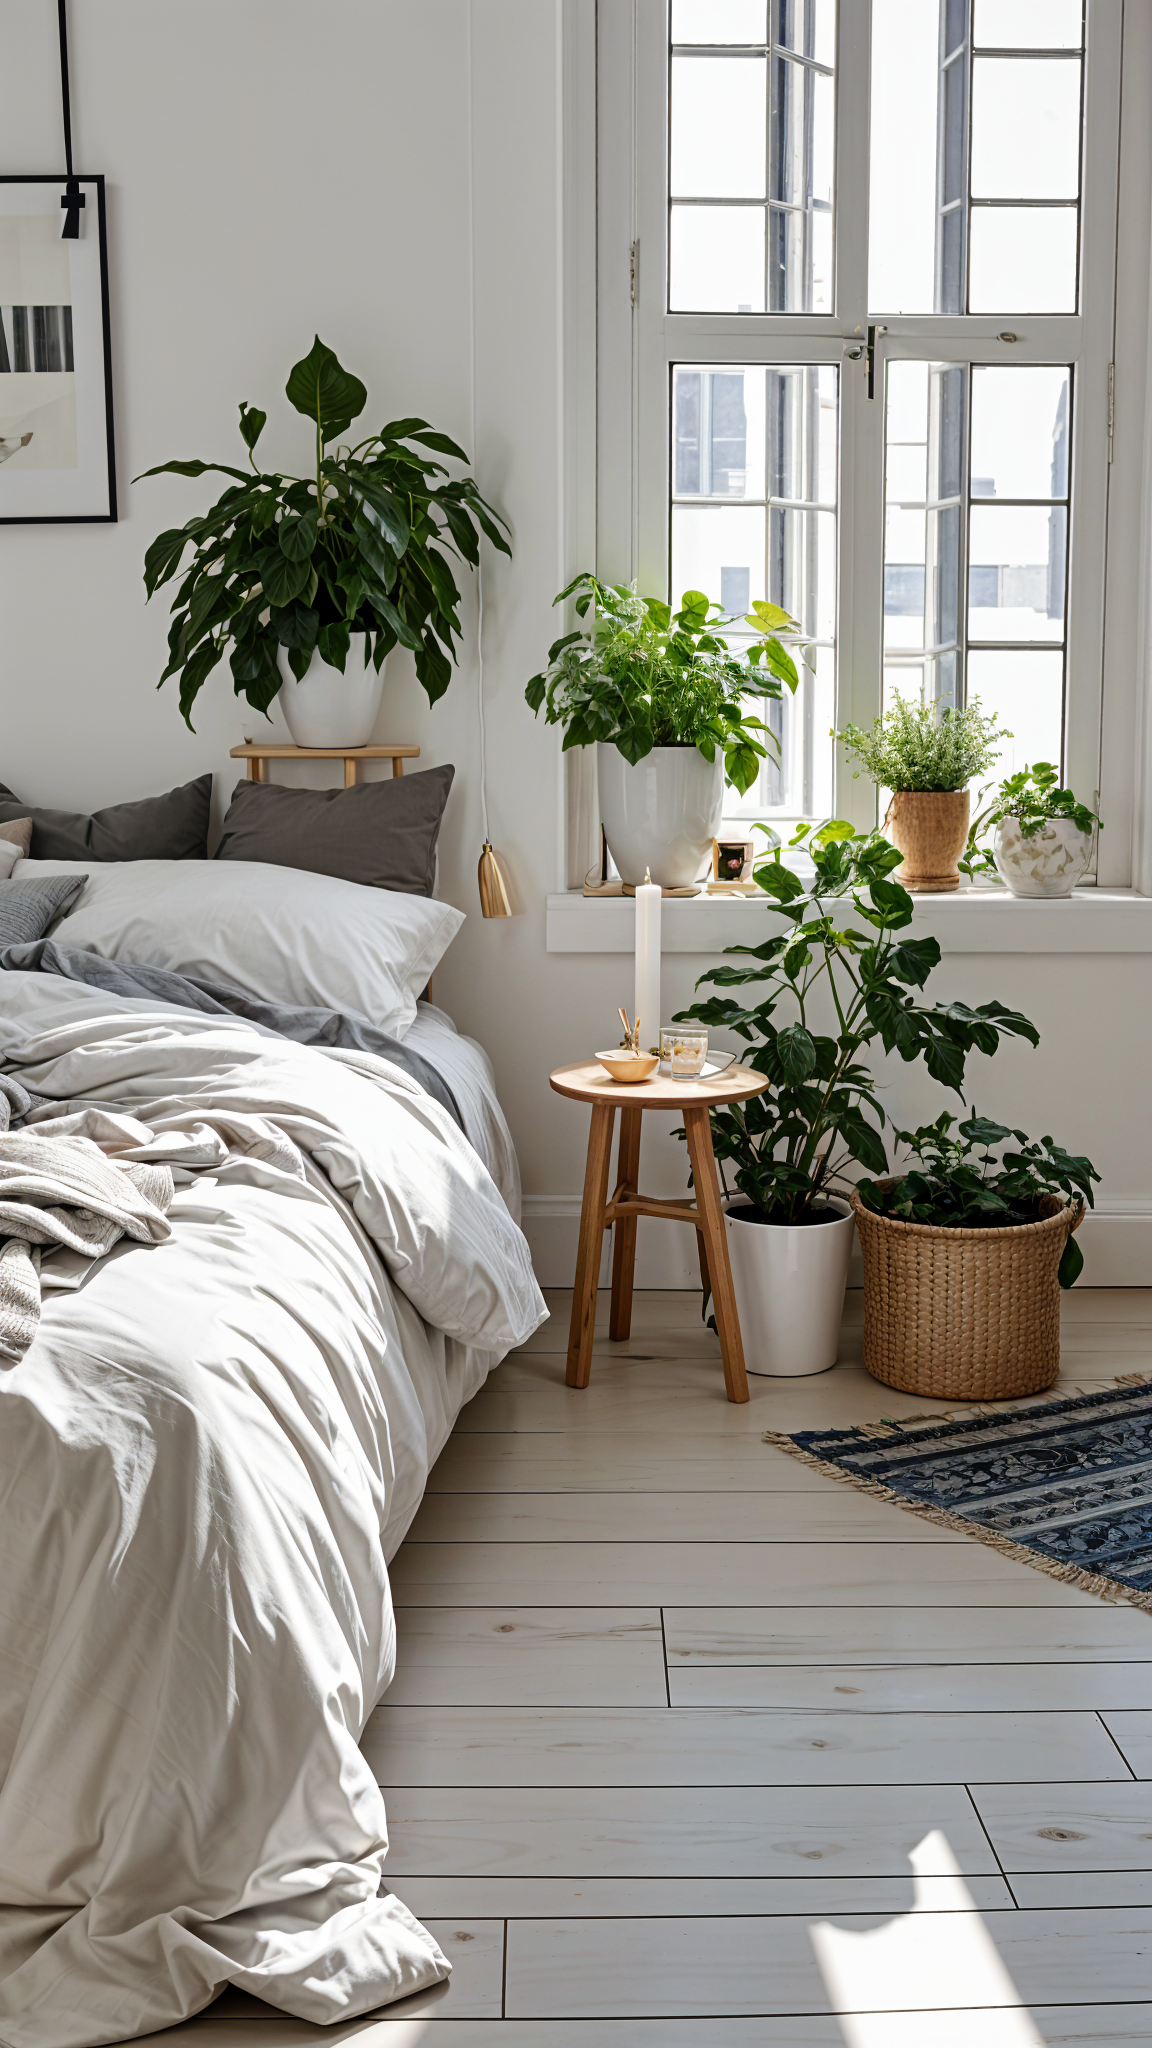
(380, 833)
(171, 827)
(28, 908)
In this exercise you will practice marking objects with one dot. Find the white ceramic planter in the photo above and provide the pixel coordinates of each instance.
(662, 814)
(330, 709)
(1049, 863)
(789, 1283)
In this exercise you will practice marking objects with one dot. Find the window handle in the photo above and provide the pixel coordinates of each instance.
(873, 332)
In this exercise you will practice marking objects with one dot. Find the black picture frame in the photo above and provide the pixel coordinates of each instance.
(103, 470)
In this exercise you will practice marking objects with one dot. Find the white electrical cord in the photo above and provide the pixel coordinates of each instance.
(472, 436)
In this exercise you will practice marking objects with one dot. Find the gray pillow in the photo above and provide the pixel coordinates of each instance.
(380, 833)
(28, 908)
(170, 827)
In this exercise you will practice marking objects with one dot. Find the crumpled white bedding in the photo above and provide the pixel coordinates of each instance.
(206, 1457)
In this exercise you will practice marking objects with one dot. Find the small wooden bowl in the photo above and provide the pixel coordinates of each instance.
(629, 1066)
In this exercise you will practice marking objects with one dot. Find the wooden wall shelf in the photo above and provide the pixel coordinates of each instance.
(258, 753)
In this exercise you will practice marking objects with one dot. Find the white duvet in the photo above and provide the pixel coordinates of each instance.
(206, 1457)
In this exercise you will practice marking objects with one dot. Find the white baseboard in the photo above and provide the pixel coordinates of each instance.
(1116, 1239)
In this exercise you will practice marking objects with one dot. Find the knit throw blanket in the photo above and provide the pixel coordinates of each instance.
(66, 1191)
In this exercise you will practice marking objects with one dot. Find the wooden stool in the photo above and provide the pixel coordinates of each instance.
(586, 1081)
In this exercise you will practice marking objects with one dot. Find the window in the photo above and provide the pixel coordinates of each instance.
(862, 365)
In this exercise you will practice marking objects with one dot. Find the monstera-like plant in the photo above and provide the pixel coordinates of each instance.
(360, 545)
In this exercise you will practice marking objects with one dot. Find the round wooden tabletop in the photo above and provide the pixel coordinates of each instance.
(587, 1081)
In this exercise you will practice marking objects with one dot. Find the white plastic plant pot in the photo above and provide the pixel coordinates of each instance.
(789, 1281)
(662, 814)
(328, 708)
(1049, 862)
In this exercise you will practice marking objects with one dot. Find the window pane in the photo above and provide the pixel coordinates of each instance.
(923, 530)
(719, 127)
(1027, 24)
(1025, 127)
(1025, 688)
(1020, 433)
(806, 25)
(1016, 556)
(716, 261)
(1023, 259)
(767, 435)
(902, 190)
(803, 111)
(718, 434)
(719, 21)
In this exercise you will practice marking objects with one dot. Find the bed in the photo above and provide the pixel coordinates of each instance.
(215, 1444)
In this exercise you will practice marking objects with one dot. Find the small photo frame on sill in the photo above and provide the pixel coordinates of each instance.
(56, 448)
(732, 859)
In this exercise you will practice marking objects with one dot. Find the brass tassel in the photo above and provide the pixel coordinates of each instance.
(493, 888)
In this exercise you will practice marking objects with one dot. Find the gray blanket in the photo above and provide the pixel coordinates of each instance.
(305, 1026)
(63, 1191)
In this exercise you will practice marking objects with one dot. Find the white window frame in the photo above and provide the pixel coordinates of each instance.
(637, 340)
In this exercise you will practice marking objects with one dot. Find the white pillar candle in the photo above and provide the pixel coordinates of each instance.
(647, 999)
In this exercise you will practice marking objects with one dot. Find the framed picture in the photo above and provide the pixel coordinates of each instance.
(732, 859)
(56, 452)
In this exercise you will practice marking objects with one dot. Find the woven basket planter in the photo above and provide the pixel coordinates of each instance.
(963, 1315)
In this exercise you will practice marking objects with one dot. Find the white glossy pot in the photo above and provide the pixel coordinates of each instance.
(330, 709)
(1049, 862)
(789, 1283)
(662, 814)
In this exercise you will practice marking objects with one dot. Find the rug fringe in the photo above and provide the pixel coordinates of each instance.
(1106, 1589)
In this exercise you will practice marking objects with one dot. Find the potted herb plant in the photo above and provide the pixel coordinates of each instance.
(665, 702)
(789, 1232)
(1041, 835)
(335, 568)
(964, 1257)
(927, 758)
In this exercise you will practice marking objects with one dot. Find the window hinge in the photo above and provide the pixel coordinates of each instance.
(1111, 406)
(633, 266)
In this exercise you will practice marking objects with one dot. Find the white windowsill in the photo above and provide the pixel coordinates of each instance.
(970, 921)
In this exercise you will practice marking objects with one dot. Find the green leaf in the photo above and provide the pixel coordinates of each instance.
(782, 883)
(433, 669)
(252, 423)
(163, 558)
(191, 469)
(406, 634)
(281, 579)
(297, 537)
(325, 392)
(795, 1052)
(912, 960)
(295, 626)
(197, 669)
(945, 1062)
(333, 641)
(387, 513)
(1071, 1264)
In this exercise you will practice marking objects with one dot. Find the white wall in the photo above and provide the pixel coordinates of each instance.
(278, 168)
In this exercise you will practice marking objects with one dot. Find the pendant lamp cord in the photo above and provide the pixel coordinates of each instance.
(73, 198)
(472, 431)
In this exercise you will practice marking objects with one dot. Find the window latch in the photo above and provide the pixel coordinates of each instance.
(873, 331)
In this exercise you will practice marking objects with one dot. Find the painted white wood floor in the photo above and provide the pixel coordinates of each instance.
(673, 1715)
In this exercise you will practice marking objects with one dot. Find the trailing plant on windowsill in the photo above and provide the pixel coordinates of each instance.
(643, 676)
(917, 747)
(787, 1147)
(961, 1184)
(303, 562)
(1033, 797)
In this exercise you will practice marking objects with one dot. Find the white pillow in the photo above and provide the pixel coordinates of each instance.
(9, 855)
(282, 934)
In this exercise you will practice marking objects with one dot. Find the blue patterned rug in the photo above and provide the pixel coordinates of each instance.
(1063, 1485)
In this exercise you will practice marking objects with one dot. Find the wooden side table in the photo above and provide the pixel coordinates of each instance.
(258, 753)
(586, 1081)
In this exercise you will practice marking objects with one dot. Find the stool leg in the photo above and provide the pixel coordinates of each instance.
(591, 1245)
(699, 1134)
(624, 1233)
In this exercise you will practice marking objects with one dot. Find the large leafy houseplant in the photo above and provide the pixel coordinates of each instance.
(960, 1182)
(303, 562)
(643, 676)
(842, 939)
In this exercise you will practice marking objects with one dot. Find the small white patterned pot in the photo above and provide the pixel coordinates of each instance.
(1049, 862)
